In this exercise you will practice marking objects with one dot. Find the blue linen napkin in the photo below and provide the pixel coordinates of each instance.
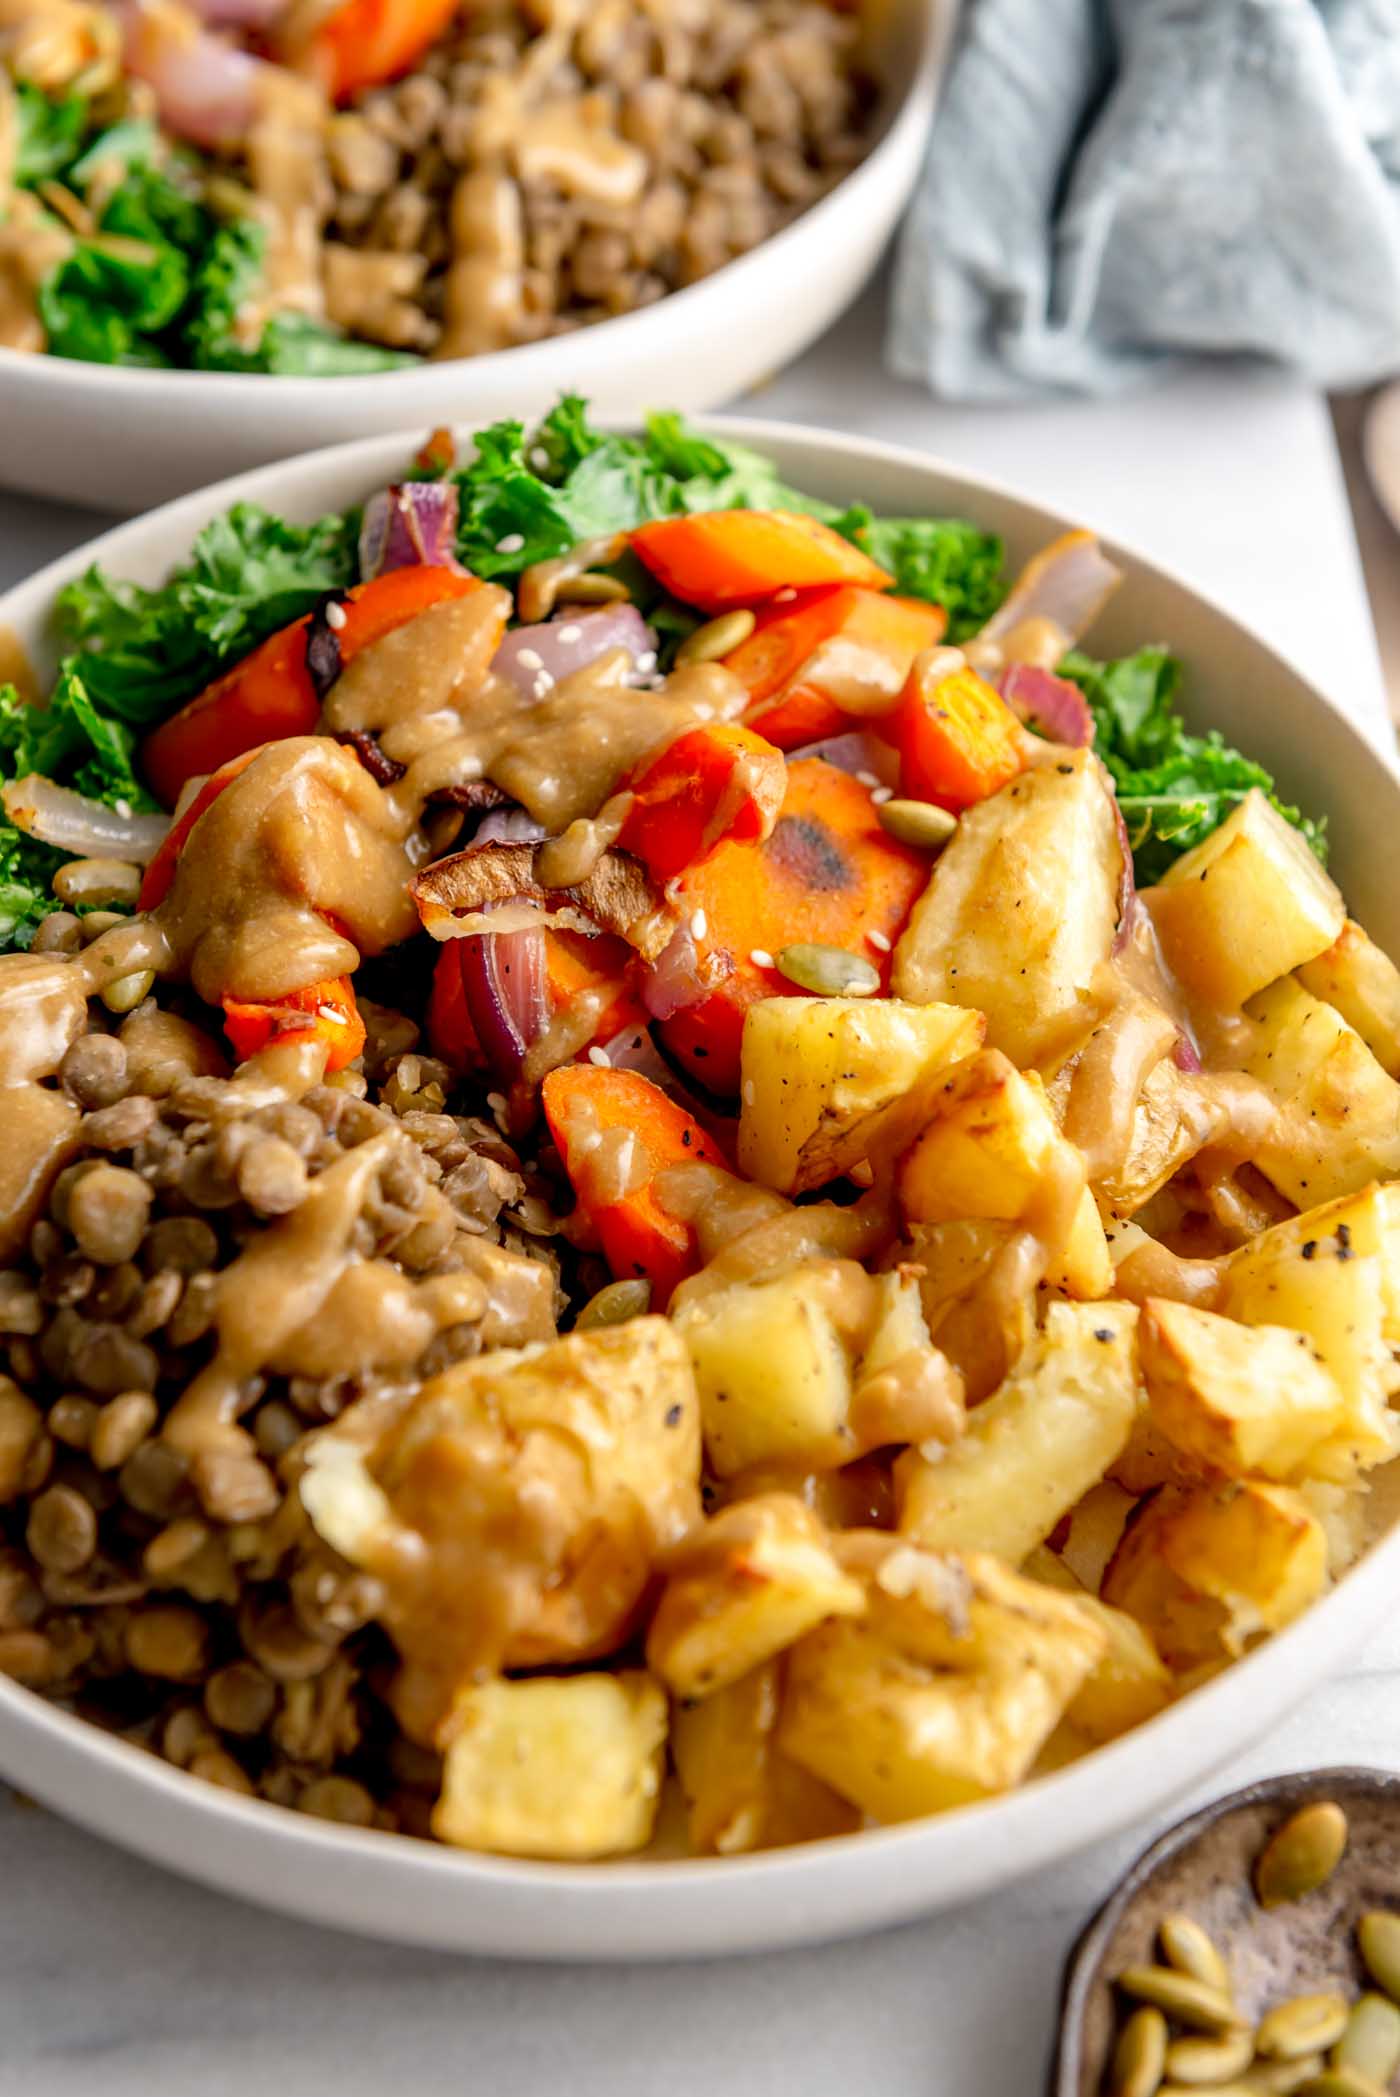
(1114, 183)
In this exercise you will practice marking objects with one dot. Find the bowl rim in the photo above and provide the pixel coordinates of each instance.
(1047, 1818)
(907, 106)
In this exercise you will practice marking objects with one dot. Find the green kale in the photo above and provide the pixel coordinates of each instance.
(941, 559)
(291, 344)
(27, 869)
(47, 133)
(1173, 787)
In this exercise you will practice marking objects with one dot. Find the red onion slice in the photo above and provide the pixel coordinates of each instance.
(411, 525)
(58, 816)
(1185, 1055)
(205, 89)
(508, 826)
(503, 978)
(238, 14)
(1051, 705)
(534, 658)
(857, 754)
(1068, 582)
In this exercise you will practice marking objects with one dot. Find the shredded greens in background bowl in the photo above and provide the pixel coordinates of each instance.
(135, 655)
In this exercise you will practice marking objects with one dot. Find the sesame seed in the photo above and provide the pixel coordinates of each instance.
(570, 633)
(868, 778)
(513, 542)
(646, 661)
(760, 957)
(699, 925)
(335, 616)
(123, 809)
(600, 1057)
(543, 683)
(530, 659)
(879, 941)
(880, 794)
(785, 596)
(539, 458)
(749, 1094)
(496, 1101)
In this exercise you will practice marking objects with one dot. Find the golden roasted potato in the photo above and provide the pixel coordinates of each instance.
(1250, 903)
(828, 1083)
(1338, 1124)
(563, 1766)
(1245, 1400)
(516, 1507)
(947, 1689)
(1036, 1447)
(741, 1588)
(1021, 907)
(991, 1150)
(1176, 1116)
(1364, 986)
(742, 1793)
(1207, 1569)
(973, 1317)
(806, 1369)
(1129, 1683)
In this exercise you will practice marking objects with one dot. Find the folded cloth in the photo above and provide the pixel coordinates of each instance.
(1114, 183)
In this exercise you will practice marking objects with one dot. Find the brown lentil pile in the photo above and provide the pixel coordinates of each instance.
(583, 162)
(194, 1610)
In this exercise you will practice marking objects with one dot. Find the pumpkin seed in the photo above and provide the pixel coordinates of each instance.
(592, 588)
(1188, 2000)
(1139, 2056)
(1371, 2042)
(125, 993)
(1340, 2082)
(1283, 2078)
(1190, 1950)
(1219, 2089)
(1305, 2025)
(716, 638)
(832, 972)
(1378, 1935)
(918, 823)
(1302, 1854)
(614, 1305)
(1208, 2062)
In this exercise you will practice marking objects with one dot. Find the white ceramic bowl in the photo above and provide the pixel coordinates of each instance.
(122, 440)
(411, 1890)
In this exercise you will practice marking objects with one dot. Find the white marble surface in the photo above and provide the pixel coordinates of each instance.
(116, 1981)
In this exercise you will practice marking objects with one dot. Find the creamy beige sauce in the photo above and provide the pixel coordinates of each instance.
(484, 287)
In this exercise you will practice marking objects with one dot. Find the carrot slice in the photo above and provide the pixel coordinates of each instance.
(365, 42)
(327, 1009)
(828, 874)
(793, 698)
(577, 963)
(709, 784)
(732, 557)
(155, 885)
(958, 739)
(584, 1102)
(270, 694)
(451, 1035)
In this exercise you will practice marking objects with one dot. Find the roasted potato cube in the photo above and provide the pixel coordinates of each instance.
(814, 1367)
(1129, 1683)
(1364, 986)
(830, 1082)
(522, 1499)
(1249, 904)
(1245, 1400)
(1176, 1116)
(1036, 1447)
(742, 1587)
(560, 1766)
(992, 1150)
(1338, 1124)
(1314, 1275)
(742, 1793)
(973, 1317)
(945, 1692)
(1021, 908)
(1207, 1569)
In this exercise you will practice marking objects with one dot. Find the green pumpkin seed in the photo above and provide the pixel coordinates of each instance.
(1206, 2063)
(1302, 1854)
(831, 972)
(917, 823)
(1378, 1935)
(1307, 2024)
(1188, 2000)
(1340, 2082)
(1188, 1948)
(592, 588)
(1371, 2042)
(125, 993)
(1283, 2078)
(1140, 2055)
(614, 1305)
(716, 638)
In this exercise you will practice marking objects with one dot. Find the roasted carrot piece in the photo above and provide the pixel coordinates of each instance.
(584, 1102)
(155, 885)
(793, 699)
(365, 42)
(327, 1009)
(958, 739)
(270, 693)
(575, 964)
(828, 874)
(451, 1035)
(709, 784)
(723, 558)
